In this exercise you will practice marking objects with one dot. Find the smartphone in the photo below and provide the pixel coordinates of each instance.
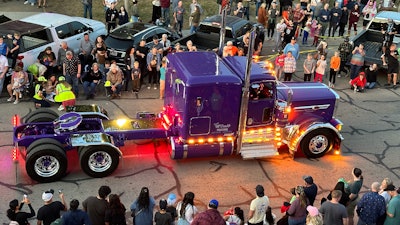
(25, 196)
(59, 191)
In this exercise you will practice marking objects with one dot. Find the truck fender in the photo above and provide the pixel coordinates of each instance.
(93, 139)
(295, 134)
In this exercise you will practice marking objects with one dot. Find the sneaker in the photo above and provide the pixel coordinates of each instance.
(26, 3)
(32, 4)
(148, 87)
(16, 102)
(355, 90)
(20, 95)
(61, 108)
(339, 75)
(273, 50)
(10, 99)
(155, 88)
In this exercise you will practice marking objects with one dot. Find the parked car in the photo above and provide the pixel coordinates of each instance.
(129, 34)
(50, 29)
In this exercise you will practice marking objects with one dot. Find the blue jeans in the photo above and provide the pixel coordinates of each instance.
(117, 90)
(89, 88)
(258, 4)
(135, 19)
(193, 29)
(370, 85)
(74, 82)
(2, 83)
(301, 221)
(354, 70)
(165, 16)
(87, 8)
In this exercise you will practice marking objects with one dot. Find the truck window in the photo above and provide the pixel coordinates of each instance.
(77, 27)
(35, 39)
(63, 31)
(260, 91)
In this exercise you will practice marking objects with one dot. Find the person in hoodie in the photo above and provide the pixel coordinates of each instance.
(210, 216)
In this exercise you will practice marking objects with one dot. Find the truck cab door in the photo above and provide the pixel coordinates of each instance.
(261, 103)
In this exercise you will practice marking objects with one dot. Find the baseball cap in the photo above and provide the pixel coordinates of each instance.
(47, 195)
(308, 179)
(171, 199)
(313, 211)
(213, 204)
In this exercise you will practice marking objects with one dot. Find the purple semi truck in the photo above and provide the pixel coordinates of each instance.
(211, 108)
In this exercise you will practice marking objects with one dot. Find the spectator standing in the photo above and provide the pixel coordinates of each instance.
(136, 75)
(292, 47)
(3, 71)
(100, 52)
(313, 4)
(165, 4)
(111, 17)
(354, 188)
(115, 214)
(186, 208)
(324, 18)
(166, 44)
(369, 12)
(179, 12)
(320, 69)
(240, 10)
(390, 58)
(153, 66)
(194, 19)
(298, 210)
(262, 17)
(334, 68)
(210, 216)
(51, 210)
(383, 192)
(279, 35)
(310, 189)
(156, 13)
(142, 208)
(335, 16)
(75, 216)
(96, 206)
(258, 5)
(91, 80)
(171, 206)
(332, 211)
(289, 66)
(357, 61)
(344, 18)
(14, 50)
(87, 8)
(344, 52)
(372, 74)
(135, 11)
(298, 16)
(62, 52)
(48, 59)
(309, 69)
(353, 19)
(141, 57)
(113, 82)
(72, 71)
(371, 206)
(358, 83)
(272, 15)
(393, 214)
(86, 48)
(163, 70)
(306, 31)
(129, 60)
(3, 47)
(162, 217)
(14, 213)
(123, 17)
(258, 207)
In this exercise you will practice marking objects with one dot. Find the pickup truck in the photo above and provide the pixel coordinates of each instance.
(208, 33)
(373, 36)
(50, 29)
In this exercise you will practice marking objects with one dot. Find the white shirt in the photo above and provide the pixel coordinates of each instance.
(3, 63)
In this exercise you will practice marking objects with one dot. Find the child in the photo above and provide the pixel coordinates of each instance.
(334, 68)
(163, 217)
(18, 83)
(136, 74)
(320, 69)
(107, 65)
(309, 67)
(64, 94)
(49, 89)
(163, 70)
(316, 35)
(307, 29)
(358, 83)
(279, 63)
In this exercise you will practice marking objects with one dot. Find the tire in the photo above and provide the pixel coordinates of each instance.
(41, 142)
(317, 143)
(41, 115)
(46, 163)
(99, 160)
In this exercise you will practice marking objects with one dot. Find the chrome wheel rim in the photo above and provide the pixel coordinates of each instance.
(100, 161)
(318, 144)
(47, 166)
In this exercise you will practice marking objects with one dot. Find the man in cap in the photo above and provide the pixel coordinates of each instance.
(310, 189)
(210, 216)
(258, 207)
(393, 210)
(51, 210)
(371, 206)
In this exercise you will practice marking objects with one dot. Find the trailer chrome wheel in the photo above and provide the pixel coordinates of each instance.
(41, 115)
(46, 163)
(98, 161)
(317, 143)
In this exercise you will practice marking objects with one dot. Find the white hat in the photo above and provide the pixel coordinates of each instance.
(47, 196)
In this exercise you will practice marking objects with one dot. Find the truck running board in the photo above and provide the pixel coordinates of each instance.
(252, 151)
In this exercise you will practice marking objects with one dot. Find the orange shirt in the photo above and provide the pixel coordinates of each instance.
(335, 62)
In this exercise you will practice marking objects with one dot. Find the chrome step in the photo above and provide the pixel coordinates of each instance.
(251, 151)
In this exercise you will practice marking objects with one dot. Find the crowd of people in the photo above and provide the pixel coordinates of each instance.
(380, 206)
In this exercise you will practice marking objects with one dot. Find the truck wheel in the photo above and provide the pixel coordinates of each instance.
(98, 161)
(41, 142)
(46, 163)
(41, 115)
(316, 143)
